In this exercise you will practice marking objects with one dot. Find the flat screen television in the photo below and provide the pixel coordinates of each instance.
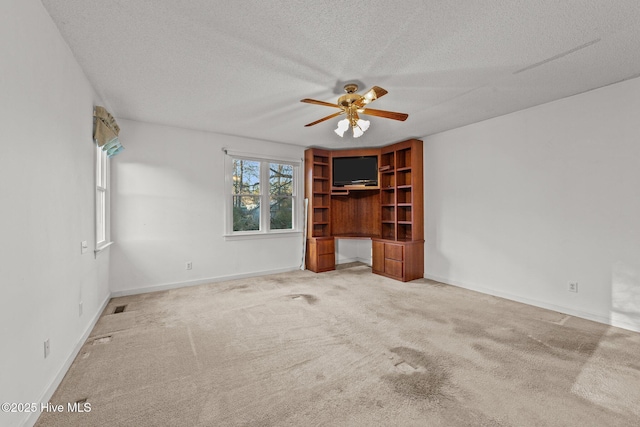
(361, 170)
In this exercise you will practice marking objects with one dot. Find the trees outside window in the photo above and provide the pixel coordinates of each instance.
(263, 195)
(280, 196)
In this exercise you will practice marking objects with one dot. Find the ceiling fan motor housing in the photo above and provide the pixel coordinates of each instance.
(345, 101)
(348, 99)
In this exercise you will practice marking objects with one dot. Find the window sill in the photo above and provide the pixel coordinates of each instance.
(102, 247)
(262, 235)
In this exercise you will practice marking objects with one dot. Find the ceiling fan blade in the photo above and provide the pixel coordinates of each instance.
(325, 118)
(386, 114)
(370, 96)
(313, 101)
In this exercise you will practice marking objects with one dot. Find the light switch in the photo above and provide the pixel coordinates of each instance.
(85, 247)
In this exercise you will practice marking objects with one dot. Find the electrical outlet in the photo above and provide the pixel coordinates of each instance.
(189, 265)
(573, 287)
(80, 308)
(47, 349)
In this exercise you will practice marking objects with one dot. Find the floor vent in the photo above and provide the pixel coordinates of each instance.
(119, 309)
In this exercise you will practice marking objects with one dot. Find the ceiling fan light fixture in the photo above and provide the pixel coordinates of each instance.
(343, 125)
(363, 124)
(359, 127)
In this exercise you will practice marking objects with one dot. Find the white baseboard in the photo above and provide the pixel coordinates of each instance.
(53, 386)
(176, 285)
(536, 303)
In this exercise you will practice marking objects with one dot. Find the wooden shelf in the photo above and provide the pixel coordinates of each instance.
(399, 254)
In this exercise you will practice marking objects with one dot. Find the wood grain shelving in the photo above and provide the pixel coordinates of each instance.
(391, 214)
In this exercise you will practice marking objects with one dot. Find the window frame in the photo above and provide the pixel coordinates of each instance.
(265, 196)
(102, 201)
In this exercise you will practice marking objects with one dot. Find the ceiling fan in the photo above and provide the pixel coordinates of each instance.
(353, 104)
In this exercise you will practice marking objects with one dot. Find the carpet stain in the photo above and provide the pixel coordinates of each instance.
(235, 288)
(429, 380)
(419, 385)
(360, 272)
(283, 280)
(550, 338)
(470, 328)
(335, 291)
(416, 358)
(102, 340)
(311, 299)
(435, 284)
(403, 308)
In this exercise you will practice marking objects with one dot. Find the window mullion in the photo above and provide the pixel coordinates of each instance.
(265, 208)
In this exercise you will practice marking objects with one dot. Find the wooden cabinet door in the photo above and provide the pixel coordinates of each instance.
(388, 259)
(393, 251)
(326, 246)
(394, 268)
(326, 262)
(321, 254)
(377, 261)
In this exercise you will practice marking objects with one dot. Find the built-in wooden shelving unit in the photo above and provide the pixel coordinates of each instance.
(391, 214)
(399, 252)
(320, 243)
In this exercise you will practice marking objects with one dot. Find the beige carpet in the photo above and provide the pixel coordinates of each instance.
(347, 348)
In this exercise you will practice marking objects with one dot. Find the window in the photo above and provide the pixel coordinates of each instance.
(246, 195)
(102, 200)
(263, 196)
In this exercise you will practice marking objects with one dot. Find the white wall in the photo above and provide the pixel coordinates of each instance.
(520, 205)
(352, 250)
(47, 197)
(168, 208)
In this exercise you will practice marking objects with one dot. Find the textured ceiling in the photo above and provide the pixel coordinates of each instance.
(241, 67)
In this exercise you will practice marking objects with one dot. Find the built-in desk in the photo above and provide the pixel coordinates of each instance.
(390, 213)
(321, 251)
